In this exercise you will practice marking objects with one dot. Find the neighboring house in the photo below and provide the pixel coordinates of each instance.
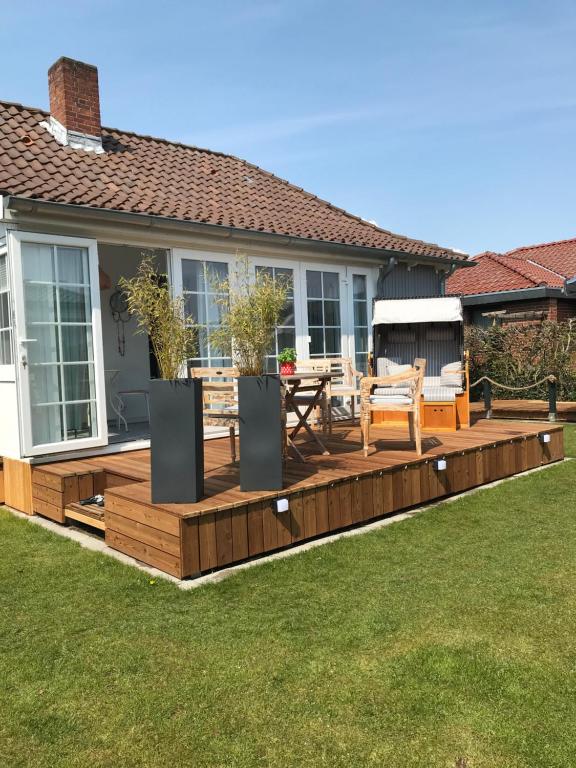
(528, 284)
(80, 204)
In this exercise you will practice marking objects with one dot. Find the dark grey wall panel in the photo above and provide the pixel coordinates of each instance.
(402, 283)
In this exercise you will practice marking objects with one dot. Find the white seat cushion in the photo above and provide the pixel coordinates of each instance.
(397, 399)
(441, 394)
(450, 375)
(392, 391)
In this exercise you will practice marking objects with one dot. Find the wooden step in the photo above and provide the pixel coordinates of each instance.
(89, 514)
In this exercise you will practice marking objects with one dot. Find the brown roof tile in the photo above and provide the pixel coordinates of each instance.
(529, 267)
(142, 174)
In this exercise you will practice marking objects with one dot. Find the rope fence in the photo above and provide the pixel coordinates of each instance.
(488, 383)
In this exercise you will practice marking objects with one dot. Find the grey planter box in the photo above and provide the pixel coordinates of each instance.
(177, 441)
(260, 433)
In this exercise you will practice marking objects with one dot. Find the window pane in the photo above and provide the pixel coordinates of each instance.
(75, 305)
(193, 275)
(215, 311)
(361, 339)
(265, 271)
(331, 285)
(4, 311)
(287, 315)
(45, 384)
(317, 342)
(5, 348)
(195, 307)
(287, 278)
(80, 420)
(286, 338)
(76, 343)
(38, 263)
(332, 341)
(359, 286)
(314, 284)
(3, 273)
(360, 315)
(362, 364)
(47, 424)
(216, 273)
(40, 303)
(332, 312)
(78, 382)
(45, 346)
(73, 266)
(315, 313)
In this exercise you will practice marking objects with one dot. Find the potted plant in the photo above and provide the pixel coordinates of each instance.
(176, 427)
(287, 360)
(251, 307)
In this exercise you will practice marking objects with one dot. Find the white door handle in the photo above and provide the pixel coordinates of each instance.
(27, 341)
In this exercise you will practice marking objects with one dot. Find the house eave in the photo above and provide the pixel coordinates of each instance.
(540, 292)
(31, 206)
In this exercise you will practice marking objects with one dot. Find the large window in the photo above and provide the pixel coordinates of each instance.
(59, 342)
(361, 328)
(285, 334)
(324, 322)
(5, 316)
(201, 281)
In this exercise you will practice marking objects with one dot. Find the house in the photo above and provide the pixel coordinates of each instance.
(79, 206)
(527, 284)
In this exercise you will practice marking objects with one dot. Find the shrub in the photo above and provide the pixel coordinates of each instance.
(251, 310)
(518, 355)
(161, 316)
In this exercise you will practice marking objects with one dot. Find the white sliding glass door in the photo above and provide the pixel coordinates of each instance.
(58, 342)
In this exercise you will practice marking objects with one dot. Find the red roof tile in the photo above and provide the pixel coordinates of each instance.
(527, 267)
(141, 174)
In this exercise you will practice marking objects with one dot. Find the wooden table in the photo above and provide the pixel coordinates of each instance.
(314, 383)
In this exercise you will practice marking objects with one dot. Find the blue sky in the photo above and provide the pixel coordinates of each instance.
(453, 122)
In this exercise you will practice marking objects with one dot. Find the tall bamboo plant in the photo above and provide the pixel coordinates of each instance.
(251, 309)
(161, 316)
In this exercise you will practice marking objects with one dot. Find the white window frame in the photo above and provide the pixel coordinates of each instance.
(8, 372)
(16, 238)
(180, 254)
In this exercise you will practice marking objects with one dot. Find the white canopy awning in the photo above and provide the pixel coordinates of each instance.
(445, 309)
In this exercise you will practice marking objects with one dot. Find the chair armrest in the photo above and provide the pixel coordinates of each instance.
(367, 382)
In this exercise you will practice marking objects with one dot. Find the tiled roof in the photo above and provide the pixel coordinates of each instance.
(141, 174)
(528, 267)
(559, 256)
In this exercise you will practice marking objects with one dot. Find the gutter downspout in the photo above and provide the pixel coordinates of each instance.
(383, 273)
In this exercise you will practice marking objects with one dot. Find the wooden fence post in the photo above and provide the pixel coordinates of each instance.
(552, 410)
(487, 387)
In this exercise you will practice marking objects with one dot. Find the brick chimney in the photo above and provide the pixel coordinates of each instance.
(75, 104)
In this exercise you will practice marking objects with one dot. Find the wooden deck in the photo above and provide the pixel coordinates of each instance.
(325, 494)
(526, 409)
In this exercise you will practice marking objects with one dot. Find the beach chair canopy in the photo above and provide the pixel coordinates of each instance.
(444, 309)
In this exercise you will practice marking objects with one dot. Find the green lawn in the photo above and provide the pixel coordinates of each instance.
(448, 636)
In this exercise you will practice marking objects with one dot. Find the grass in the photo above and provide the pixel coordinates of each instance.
(444, 640)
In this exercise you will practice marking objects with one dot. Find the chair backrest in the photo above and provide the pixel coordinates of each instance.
(339, 366)
(212, 373)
